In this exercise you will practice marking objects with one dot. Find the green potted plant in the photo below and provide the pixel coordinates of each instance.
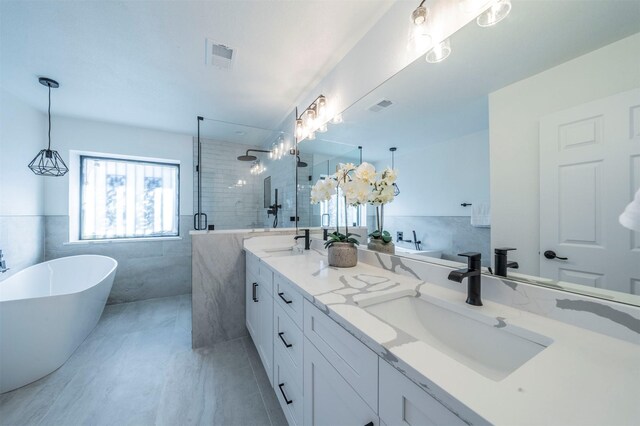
(342, 247)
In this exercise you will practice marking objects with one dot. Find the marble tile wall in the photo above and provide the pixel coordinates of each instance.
(451, 234)
(218, 293)
(146, 269)
(21, 242)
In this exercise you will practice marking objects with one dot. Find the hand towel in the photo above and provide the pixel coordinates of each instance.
(481, 215)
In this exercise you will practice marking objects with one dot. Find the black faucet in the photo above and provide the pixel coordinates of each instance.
(472, 272)
(415, 241)
(307, 240)
(501, 261)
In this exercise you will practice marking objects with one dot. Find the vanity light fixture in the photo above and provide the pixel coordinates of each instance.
(439, 53)
(257, 168)
(419, 38)
(419, 15)
(314, 119)
(48, 162)
(494, 14)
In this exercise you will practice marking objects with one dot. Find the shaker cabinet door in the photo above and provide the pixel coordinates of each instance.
(328, 398)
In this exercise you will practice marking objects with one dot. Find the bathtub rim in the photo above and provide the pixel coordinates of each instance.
(98, 281)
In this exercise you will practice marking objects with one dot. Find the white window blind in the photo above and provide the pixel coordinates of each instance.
(122, 198)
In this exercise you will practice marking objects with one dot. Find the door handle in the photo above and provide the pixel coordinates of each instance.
(550, 254)
(255, 297)
(285, 300)
(286, 345)
(287, 400)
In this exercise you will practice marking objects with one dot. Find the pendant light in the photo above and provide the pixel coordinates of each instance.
(48, 162)
(396, 189)
(496, 13)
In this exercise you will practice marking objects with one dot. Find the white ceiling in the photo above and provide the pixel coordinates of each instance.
(143, 62)
(439, 102)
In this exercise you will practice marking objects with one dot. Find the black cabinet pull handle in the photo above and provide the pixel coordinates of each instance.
(255, 297)
(287, 400)
(285, 300)
(550, 254)
(287, 345)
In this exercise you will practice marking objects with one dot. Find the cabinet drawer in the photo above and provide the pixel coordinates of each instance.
(402, 402)
(287, 296)
(288, 391)
(351, 358)
(328, 398)
(289, 339)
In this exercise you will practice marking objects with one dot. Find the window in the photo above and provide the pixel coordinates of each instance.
(126, 198)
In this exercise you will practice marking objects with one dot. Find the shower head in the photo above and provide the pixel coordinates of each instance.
(300, 162)
(247, 157)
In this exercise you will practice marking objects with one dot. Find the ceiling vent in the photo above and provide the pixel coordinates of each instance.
(219, 55)
(379, 106)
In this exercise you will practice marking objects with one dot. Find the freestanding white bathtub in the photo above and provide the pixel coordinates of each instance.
(46, 311)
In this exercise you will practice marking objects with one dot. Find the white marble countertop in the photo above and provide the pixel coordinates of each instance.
(582, 377)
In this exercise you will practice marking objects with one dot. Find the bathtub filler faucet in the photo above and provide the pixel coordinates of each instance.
(472, 273)
(3, 264)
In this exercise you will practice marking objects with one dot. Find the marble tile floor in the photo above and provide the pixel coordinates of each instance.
(137, 368)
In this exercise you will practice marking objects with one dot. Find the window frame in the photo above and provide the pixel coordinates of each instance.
(127, 159)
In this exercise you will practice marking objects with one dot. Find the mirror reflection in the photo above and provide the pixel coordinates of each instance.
(527, 138)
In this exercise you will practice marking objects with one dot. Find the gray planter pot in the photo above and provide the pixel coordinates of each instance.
(343, 255)
(378, 245)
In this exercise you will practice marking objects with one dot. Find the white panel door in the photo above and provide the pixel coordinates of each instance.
(589, 171)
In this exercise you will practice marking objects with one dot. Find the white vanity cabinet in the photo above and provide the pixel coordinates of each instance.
(328, 398)
(259, 310)
(402, 402)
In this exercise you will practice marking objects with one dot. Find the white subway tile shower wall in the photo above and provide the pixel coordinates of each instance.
(231, 195)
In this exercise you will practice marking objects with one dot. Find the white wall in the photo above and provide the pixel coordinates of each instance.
(514, 113)
(85, 135)
(23, 133)
(437, 179)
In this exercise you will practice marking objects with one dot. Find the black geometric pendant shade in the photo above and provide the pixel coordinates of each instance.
(48, 162)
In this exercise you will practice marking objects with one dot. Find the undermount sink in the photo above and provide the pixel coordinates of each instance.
(284, 251)
(493, 350)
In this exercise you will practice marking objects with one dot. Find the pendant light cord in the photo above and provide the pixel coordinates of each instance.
(49, 114)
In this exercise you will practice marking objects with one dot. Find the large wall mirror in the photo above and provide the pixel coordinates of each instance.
(527, 136)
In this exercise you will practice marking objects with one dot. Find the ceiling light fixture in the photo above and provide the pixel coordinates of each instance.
(48, 162)
(439, 53)
(494, 14)
(314, 119)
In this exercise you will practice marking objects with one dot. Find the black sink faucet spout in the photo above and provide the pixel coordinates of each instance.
(472, 273)
(501, 261)
(307, 239)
